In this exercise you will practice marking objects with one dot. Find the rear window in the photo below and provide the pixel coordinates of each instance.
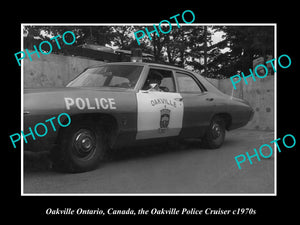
(207, 84)
(186, 83)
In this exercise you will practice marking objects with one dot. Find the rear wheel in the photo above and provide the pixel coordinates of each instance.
(215, 135)
(82, 147)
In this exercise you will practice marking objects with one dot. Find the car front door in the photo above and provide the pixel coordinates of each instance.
(159, 110)
(198, 105)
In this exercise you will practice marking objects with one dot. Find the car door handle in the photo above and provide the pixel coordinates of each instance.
(178, 99)
(209, 99)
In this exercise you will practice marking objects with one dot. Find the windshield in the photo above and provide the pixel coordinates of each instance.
(124, 76)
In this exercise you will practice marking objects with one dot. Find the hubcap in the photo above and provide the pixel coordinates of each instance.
(84, 143)
(216, 130)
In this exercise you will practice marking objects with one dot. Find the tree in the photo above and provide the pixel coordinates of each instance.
(121, 38)
(188, 46)
(245, 43)
(100, 35)
(178, 45)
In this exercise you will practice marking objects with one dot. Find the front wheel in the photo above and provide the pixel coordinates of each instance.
(81, 148)
(215, 134)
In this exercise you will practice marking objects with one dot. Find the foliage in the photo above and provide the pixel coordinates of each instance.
(245, 43)
(186, 46)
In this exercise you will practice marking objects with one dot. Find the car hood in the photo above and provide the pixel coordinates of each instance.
(72, 89)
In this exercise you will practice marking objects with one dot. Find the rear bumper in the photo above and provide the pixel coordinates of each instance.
(39, 146)
(237, 125)
(251, 114)
(242, 120)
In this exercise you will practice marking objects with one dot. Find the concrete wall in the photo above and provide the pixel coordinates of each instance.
(53, 70)
(260, 95)
(56, 70)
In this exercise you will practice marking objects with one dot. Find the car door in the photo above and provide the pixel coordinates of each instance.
(198, 104)
(159, 112)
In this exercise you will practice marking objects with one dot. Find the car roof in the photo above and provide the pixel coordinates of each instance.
(142, 64)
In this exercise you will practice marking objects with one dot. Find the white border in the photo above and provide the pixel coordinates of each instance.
(275, 110)
(22, 116)
(151, 194)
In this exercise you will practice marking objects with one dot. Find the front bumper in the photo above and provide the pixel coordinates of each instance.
(37, 144)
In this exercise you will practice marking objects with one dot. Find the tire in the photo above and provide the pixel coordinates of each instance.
(81, 147)
(215, 134)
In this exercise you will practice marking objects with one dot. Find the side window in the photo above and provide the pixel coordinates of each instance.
(186, 83)
(163, 78)
(168, 82)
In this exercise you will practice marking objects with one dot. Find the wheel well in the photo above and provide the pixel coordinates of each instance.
(107, 122)
(226, 117)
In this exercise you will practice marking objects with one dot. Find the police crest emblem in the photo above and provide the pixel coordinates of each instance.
(164, 119)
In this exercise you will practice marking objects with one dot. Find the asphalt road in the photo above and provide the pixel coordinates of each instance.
(172, 169)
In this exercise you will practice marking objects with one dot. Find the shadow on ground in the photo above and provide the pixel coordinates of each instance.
(41, 161)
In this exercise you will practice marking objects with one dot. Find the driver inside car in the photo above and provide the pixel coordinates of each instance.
(153, 81)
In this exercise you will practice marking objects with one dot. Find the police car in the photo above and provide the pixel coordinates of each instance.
(120, 104)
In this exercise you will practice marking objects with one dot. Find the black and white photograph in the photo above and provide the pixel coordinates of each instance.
(138, 112)
(109, 111)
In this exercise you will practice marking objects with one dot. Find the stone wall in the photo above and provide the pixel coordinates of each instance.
(260, 95)
(53, 70)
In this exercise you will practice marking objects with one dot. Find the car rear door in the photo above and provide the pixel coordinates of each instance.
(198, 104)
